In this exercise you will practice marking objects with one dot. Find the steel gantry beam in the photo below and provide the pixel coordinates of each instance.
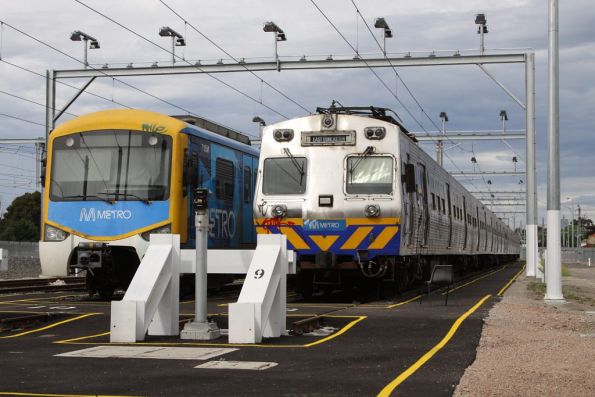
(492, 173)
(389, 61)
(470, 136)
(302, 64)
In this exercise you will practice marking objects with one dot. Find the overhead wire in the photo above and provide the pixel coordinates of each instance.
(182, 59)
(30, 101)
(186, 23)
(65, 84)
(106, 74)
(21, 119)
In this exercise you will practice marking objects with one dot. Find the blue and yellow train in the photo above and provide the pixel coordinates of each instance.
(114, 177)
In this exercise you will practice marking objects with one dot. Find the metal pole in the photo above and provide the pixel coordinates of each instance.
(85, 45)
(531, 227)
(201, 328)
(572, 229)
(579, 227)
(481, 42)
(553, 292)
(173, 50)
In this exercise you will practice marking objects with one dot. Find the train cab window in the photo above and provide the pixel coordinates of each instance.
(369, 175)
(287, 175)
(224, 185)
(247, 184)
(108, 165)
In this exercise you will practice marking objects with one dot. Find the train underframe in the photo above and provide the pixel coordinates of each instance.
(382, 275)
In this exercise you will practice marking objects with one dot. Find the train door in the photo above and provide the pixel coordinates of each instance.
(409, 208)
(449, 215)
(478, 228)
(465, 221)
(248, 236)
(423, 203)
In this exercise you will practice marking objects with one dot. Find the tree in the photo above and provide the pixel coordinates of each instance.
(21, 220)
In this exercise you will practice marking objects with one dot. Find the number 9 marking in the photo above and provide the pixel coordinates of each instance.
(258, 273)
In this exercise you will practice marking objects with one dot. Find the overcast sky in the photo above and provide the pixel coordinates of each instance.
(470, 98)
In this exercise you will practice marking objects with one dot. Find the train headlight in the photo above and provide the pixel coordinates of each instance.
(54, 234)
(283, 135)
(279, 211)
(372, 210)
(375, 133)
(160, 230)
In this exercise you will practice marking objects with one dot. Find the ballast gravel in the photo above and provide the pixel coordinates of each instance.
(529, 348)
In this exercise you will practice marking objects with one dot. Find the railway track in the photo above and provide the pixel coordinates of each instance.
(42, 284)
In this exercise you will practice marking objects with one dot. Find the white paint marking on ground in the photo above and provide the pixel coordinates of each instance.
(324, 331)
(249, 365)
(35, 307)
(292, 309)
(155, 352)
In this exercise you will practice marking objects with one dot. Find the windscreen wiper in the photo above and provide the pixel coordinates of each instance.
(295, 163)
(369, 150)
(144, 200)
(85, 197)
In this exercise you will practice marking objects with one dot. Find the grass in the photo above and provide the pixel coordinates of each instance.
(565, 271)
(570, 293)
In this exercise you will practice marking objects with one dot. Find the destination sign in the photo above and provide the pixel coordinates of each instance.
(336, 138)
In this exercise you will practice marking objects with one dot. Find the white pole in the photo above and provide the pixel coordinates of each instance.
(201, 328)
(531, 235)
(553, 293)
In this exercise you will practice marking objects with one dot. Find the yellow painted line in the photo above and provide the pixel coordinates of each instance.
(404, 302)
(357, 237)
(388, 389)
(12, 393)
(338, 333)
(384, 237)
(294, 238)
(324, 242)
(511, 281)
(70, 341)
(475, 279)
(48, 326)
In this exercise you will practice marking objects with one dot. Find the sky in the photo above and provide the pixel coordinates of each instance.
(470, 98)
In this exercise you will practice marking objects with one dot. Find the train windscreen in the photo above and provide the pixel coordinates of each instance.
(111, 165)
(284, 176)
(369, 175)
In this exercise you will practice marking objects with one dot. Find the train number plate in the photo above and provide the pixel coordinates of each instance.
(335, 138)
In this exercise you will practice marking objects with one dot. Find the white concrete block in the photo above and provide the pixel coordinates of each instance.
(242, 323)
(123, 321)
(247, 365)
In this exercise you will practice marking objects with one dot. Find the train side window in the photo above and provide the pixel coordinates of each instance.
(443, 207)
(433, 202)
(247, 180)
(224, 185)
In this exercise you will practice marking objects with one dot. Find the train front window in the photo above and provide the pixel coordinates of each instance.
(284, 175)
(111, 165)
(369, 175)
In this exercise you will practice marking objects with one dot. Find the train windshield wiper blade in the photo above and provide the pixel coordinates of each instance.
(369, 150)
(144, 200)
(296, 164)
(85, 197)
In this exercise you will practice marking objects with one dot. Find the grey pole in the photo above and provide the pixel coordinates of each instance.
(201, 328)
(173, 50)
(85, 45)
(531, 224)
(553, 292)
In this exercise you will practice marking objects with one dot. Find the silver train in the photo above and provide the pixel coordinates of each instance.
(360, 202)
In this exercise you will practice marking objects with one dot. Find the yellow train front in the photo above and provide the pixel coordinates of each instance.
(114, 177)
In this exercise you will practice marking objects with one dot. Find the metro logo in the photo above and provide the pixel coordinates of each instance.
(324, 225)
(149, 127)
(92, 215)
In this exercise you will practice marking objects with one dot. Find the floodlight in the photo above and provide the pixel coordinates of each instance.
(272, 27)
(503, 115)
(259, 120)
(381, 24)
(166, 31)
(77, 35)
(480, 19)
(473, 160)
(443, 116)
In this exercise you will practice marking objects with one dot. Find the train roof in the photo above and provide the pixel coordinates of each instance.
(214, 127)
(374, 112)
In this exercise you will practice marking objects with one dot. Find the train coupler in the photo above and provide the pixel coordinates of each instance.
(91, 256)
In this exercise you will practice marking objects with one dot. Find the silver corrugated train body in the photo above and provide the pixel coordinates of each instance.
(356, 196)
